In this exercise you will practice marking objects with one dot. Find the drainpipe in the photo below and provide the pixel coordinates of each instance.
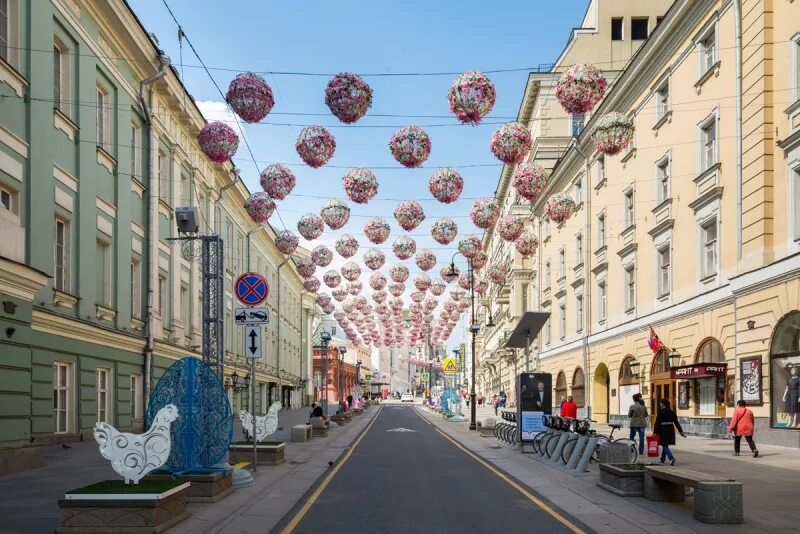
(278, 319)
(737, 21)
(152, 223)
(587, 286)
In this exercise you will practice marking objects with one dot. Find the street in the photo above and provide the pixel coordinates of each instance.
(416, 480)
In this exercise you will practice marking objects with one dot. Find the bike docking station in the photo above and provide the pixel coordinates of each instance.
(558, 447)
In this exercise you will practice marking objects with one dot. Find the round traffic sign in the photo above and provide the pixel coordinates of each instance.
(251, 289)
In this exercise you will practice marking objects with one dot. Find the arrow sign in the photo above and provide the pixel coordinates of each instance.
(252, 341)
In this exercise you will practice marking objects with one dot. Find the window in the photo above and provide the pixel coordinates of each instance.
(630, 288)
(62, 397)
(629, 206)
(162, 295)
(578, 249)
(662, 179)
(710, 351)
(601, 301)
(795, 83)
(708, 232)
(708, 143)
(136, 393)
(61, 255)
(546, 228)
(58, 61)
(163, 176)
(103, 126)
(103, 279)
(185, 309)
(579, 313)
(663, 257)
(136, 283)
(639, 28)
(562, 321)
(136, 142)
(9, 203)
(616, 29)
(708, 51)
(546, 328)
(577, 122)
(333, 330)
(562, 263)
(601, 230)
(102, 389)
(796, 198)
(547, 273)
(524, 292)
(662, 100)
(578, 190)
(601, 170)
(578, 396)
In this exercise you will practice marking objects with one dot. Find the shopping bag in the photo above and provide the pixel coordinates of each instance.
(652, 446)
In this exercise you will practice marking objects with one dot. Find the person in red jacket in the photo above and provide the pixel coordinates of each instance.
(569, 409)
(742, 425)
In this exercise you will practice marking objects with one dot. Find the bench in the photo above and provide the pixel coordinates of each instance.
(716, 499)
(301, 433)
(340, 419)
(319, 427)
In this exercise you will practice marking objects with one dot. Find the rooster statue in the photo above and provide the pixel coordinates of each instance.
(135, 455)
(265, 424)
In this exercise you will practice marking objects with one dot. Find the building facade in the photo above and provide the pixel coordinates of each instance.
(347, 363)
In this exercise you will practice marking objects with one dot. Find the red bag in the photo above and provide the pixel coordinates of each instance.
(652, 446)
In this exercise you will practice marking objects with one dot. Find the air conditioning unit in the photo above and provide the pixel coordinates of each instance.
(186, 218)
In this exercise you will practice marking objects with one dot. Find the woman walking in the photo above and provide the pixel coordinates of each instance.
(742, 425)
(666, 423)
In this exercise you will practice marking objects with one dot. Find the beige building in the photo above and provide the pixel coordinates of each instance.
(684, 231)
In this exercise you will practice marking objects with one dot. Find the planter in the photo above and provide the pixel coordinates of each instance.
(268, 453)
(205, 487)
(623, 482)
(111, 507)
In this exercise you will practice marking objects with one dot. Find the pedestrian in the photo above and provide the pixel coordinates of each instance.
(666, 423)
(569, 408)
(638, 416)
(350, 401)
(496, 403)
(742, 425)
(316, 411)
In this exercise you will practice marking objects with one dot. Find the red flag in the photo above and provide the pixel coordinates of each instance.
(653, 342)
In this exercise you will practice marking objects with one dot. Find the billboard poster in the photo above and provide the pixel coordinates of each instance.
(535, 394)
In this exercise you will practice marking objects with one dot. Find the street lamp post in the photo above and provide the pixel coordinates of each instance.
(342, 351)
(325, 336)
(473, 329)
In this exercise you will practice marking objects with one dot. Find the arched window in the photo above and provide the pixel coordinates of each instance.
(660, 363)
(626, 378)
(784, 373)
(710, 351)
(786, 339)
(561, 387)
(578, 380)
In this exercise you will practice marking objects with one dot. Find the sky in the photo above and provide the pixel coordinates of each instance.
(377, 37)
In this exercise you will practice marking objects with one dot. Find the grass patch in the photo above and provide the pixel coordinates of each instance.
(638, 466)
(250, 443)
(115, 487)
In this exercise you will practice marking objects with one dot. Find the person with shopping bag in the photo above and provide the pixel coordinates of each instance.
(666, 423)
(742, 425)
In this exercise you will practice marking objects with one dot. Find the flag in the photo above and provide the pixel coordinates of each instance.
(653, 342)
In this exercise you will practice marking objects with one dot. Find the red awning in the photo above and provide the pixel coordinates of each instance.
(699, 370)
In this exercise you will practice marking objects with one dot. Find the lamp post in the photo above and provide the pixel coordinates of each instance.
(474, 328)
(342, 351)
(325, 336)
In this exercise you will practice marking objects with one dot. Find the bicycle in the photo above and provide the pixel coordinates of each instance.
(582, 428)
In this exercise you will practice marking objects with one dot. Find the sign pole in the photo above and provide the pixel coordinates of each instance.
(253, 409)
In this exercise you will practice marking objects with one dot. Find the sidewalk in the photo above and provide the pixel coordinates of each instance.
(770, 484)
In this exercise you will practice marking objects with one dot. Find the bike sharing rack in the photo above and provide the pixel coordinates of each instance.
(579, 459)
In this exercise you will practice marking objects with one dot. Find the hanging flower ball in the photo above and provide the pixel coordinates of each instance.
(444, 230)
(311, 284)
(527, 243)
(346, 246)
(360, 185)
(332, 279)
(559, 207)
(306, 268)
(446, 185)
(481, 286)
(218, 141)
(277, 181)
(580, 88)
(259, 207)
(310, 226)
(404, 247)
(471, 96)
(510, 227)
(377, 230)
(351, 271)
(418, 296)
(348, 96)
(530, 181)
(498, 272)
(485, 212)
(613, 133)
(397, 289)
(322, 256)
(511, 142)
(411, 146)
(335, 213)
(447, 275)
(340, 293)
(438, 287)
(315, 145)
(250, 97)
(323, 299)
(457, 294)
(409, 214)
(464, 280)
(479, 260)
(374, 259)
(422, 282)
(379, 296)
(398, 273)
(286, 241)
(328, 308)
(425, 260)
(377, 281)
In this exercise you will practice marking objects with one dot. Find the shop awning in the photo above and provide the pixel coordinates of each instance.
(528, 327)
(699, 370)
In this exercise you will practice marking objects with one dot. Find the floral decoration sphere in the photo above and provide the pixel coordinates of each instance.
(374, 259)
(259, 207)
(418, 296)
(311, 284)
(339, 294)
(218, 141)
(348, 96)
(335, 213)
(409, 214)
(511, 142)
(404, 247)
(397, 289)
(527, 243)
(323, 299)
(464, 281)
(351, 271)
(277, 180)
(580, 88)
(438, 287)
(481, 286)
(446, 185)
(469, 246)
(322, 256)
(479, 260)
(332, 278)
(250, 97)
(286, 241)
(398, 273)
(339, 315)
(510, 227)
(306, 268)
(498, 272)
(559, 208)
(315, 145)
(410, 146)
(355, 287)
(456, 294)
(422, 282)
(346, 246)
(425, 260)
(613, 133)
(310, 226)
(377, 281)
(328, 308)
(530, 181)
(360, 185)
(379, 296)
(471, 96)
(444, 230)
(449, 273)
(377, 230)
(484, 212)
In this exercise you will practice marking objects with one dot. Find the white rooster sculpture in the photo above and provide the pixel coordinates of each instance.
(135, 455)
(265, 424)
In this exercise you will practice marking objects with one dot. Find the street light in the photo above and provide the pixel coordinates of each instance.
(635, 367)
(325, 336)
(474, 328)
(490, 322)
(674, 358)
(342, 351)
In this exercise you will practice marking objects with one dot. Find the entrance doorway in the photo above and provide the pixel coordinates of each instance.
(661, 384)
(600, 394)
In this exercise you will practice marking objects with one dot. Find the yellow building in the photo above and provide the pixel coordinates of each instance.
(683, 232)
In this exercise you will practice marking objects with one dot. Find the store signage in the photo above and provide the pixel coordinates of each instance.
(699, 370)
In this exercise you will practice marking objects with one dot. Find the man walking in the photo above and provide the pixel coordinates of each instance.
(638, 415)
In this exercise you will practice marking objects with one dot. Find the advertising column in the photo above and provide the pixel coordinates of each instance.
(535, 394)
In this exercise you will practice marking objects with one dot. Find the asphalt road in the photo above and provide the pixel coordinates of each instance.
(416, 482)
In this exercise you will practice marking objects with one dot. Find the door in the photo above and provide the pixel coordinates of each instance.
(664, 389)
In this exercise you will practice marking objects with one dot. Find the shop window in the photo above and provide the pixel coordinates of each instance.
(561, 387)
(578, 381)
(785, 372)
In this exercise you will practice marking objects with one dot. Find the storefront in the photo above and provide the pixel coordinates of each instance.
(784, 374)
(628, 385)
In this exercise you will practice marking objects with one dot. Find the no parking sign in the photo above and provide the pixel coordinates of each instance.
(251, 289)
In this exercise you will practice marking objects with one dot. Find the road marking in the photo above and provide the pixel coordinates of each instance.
(535, 500)
(289, 528)
(401, 429)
